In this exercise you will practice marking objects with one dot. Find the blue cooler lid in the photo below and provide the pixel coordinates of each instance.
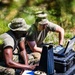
(28, 72)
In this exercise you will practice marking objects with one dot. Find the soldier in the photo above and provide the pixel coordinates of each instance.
(38, 31)
(15, 39)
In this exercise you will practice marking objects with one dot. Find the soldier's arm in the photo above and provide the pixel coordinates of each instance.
(33, 46)
(60, 30)
(23, 52)
(8, 55)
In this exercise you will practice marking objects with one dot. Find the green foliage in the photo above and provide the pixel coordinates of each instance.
(39, 1)
(68, 34)
(51, 38)
(61, 12)
(1, 41)
(3, 26)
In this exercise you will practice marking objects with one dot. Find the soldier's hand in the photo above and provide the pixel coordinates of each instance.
(33, 66)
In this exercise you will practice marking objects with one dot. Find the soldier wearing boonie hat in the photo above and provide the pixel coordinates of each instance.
(14, 39)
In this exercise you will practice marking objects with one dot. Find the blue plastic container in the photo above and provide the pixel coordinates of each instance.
(28, 72)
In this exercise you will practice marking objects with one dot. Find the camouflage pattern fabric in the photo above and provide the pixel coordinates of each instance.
(6, 71)
(32, 59)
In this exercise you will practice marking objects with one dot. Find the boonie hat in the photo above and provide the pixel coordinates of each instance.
(43, 22)
(18, 24)
(40, 14)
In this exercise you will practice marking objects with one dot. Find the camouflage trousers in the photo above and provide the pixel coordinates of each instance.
(33, 59)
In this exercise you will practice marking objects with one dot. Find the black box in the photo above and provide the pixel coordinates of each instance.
(62, 64)
(70, 71)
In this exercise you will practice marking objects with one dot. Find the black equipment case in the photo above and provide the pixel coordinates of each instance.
(70, 71)
(62, 64)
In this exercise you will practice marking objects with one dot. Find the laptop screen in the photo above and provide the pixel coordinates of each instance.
(70, 45)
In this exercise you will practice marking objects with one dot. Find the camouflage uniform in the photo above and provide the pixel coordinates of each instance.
(39, 30)
(39, 36)
(32, 57)
(9, 39)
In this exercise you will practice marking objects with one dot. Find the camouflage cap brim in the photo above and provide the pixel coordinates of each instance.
(43, 22)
